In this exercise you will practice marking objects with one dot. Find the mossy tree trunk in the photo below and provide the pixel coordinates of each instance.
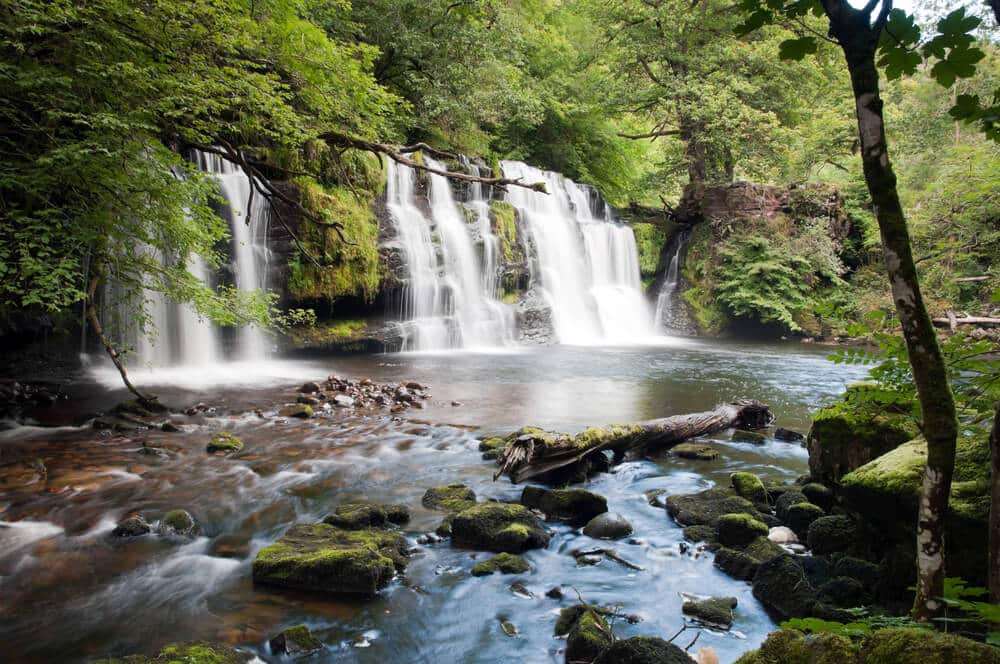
(858, 32)
(994, 523)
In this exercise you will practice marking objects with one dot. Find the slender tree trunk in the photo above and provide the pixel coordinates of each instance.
(859, 40)
(994, 554)
(95, 324)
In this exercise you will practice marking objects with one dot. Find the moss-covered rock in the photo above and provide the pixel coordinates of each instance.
(224, 442)
(800, 516)
(296, 642)
(701, 533)
(843, 591)
(781, 585)
(323, 558)
(831, 534)
(742, 563)
(736, 530)
(819, 494)
(749, 486)
(132, 526)
(786, 500)
(588, 638)
(187, 653)
(695, 451)
(847, 435)
(299, 410)
(574, 506)
(504, 563)
(744, 436)
(643, 650)
(789, 646)
(705, 507)
(920, 646)
(491, 447)
(715, 610)
(451, 498)
(498, 527)
(356, 516)
(178, 522)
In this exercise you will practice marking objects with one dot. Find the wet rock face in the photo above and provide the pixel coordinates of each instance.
(609, 525)
(295, 641)
(498, 527)
(326, 559)
(574, 506)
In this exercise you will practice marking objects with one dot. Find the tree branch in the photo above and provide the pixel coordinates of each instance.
(652, 134)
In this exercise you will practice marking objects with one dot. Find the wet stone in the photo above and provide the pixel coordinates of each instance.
(178, 522)
(295, 641)
(133, 526)
(609, 525)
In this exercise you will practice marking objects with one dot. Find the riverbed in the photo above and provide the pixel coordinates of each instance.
(72, 592)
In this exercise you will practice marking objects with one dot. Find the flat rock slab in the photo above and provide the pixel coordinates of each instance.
(326, 559)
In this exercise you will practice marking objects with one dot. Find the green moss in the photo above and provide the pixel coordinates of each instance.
(451, 498)
(297, 640)
(324, 558)
(189, 653)
(707, 506)
(349, 268)
(649, 241)
(329, 332)
(503, 220)
(848, 434)
(505, 563)
(919, 646)
(588, 638)
(600, 435)
(491, 447)
(695, 451)
(800, 516)
(700, 265)
(788, 646)
(749, 486)
(224, 442)
(498, 527)
(355, 516)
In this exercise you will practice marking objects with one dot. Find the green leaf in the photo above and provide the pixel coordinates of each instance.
(796, 49)
(959, 63)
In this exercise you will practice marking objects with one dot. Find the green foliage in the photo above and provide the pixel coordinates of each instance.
(862, 626)
(963, 598)
(760, 281)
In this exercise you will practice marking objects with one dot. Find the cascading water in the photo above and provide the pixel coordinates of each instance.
(665, 312)
(449, 298)
(586, 267)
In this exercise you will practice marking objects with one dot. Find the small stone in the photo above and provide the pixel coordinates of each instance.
(695, 451)
(169, 427)
(521, 590)
(509, 628)
(588, 560)
(414, 386)
(133, 526)
(178, 522)
(609, 525)
(782, 535)
(554, 592)
(788, 435)
(309, 388)
(300, 410)
(504, 563)
(295, 641)
(744, 436)
(343, 401)
(715, 611)
(224, 442)
(456, 403)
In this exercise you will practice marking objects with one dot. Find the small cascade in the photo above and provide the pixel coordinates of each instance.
(449, 299)
(665, 310)
(585, 264)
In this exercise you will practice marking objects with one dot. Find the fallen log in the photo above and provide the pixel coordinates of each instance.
(968, 320)
(532, 452)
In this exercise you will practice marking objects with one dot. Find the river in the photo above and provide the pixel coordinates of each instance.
(72, 592)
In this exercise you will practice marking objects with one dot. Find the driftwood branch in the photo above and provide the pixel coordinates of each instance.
(968, 320)
(532, 455)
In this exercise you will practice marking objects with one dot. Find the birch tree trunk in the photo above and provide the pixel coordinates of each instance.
(858, 36)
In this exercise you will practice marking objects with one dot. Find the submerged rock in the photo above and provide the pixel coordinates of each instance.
(295, 641)
(715, 610)
(133, 526)
(744, 436)
(788, 435)
(695, 451)
(575, 506)
(505, 563)
(178, 522)
(324, 558)
(643, 650)
(224, 442)
(356, 516)
(498, 527)
(609, 525)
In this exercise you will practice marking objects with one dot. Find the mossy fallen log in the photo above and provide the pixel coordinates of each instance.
(533, 452)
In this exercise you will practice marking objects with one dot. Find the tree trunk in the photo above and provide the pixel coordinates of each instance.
(532, 455)
(859, 39)
(994, 553)
(95, 324)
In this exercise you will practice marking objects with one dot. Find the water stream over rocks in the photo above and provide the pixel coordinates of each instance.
(71, 591)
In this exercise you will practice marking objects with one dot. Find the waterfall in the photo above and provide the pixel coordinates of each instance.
(668, 290)
(449, 299)
(585, 266)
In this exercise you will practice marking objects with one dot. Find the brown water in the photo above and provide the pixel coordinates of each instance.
(69, 591)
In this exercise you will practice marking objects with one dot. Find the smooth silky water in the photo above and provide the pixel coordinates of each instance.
(70, 591)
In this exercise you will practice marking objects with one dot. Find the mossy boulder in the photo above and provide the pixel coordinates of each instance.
(574, 506)
(736, 530)
(714, 611)
(831, 534)
(782, 586)
(324, 558)
(749, 486)
(800, 516)
(847, 435)
(299, 410)
(224, 442)
(819, 494)
(695, 451)
(843, 591)
(295, 641)
(643, 650)
(705, 507)
(187, 653)
(178, 522)
(499, 527)
(789, 646)
(356, 516)
(451, 498)
(504, 563)
(786, 500)
(589, 636)
(921, 646)
(742, 563)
